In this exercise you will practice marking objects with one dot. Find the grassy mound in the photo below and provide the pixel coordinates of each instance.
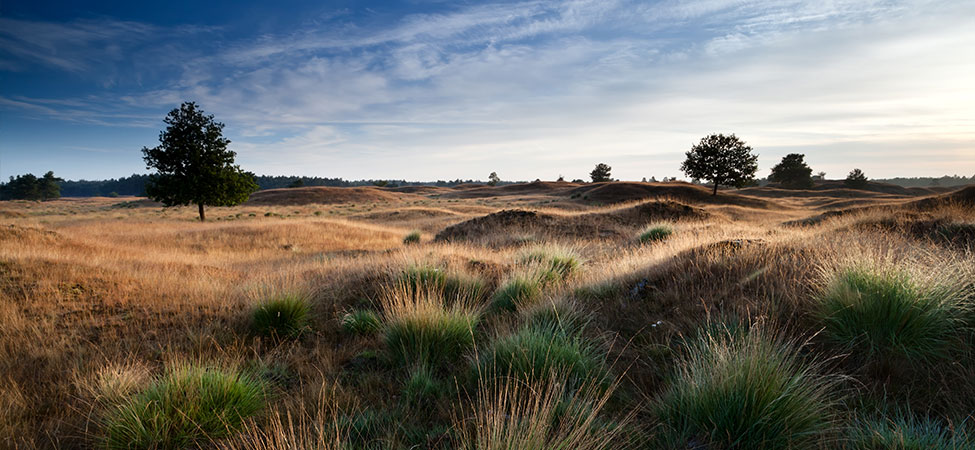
(188, 407)
(282, 317)
(884, 314)
(744, 391)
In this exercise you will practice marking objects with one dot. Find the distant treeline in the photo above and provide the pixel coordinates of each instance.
(136, 184)
(946, 181)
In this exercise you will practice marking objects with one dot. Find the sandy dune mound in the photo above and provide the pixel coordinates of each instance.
(508, 226)
(534, 188)
(617, 192)
(326, 195)
(964, 197)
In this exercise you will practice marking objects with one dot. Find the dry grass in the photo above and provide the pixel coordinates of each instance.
(97, 296)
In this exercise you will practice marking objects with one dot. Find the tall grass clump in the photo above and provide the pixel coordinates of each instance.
(285, 316)
(906, 432)
(187, 407)
(421, 328)
(519, 290)
(536, 352)
(361, 321)
(412, 238)
(511, 414)
(744, 391)
(453, 284)
(559, 262)
(883, 315)
(656, 232)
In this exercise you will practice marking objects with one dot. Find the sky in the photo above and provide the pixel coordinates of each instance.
(427, 90)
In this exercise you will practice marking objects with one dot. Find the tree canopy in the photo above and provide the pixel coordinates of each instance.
(29, 187)
(722, 160)
(856, 179)
(601, 173)
(792, 172)
(193, 163)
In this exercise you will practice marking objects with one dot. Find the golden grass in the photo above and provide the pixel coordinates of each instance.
(97, 295)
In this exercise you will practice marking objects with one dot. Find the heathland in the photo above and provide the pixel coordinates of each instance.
(527, 316)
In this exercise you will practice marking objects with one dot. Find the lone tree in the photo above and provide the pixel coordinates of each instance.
(792, 172)
(493, 179)
(194, 165)
(600, 173)
(721, 160)
(856, 179)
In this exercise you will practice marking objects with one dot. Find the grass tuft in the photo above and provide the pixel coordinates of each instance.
(187, 407)
(561, 262)
(282, 317)
(412, 238)
(656, 232)
(744, 391)
(518, 291)
(884, 314)
(420, 328)
(536, 352)
(361, 321)
(906, 433)
(454, 285)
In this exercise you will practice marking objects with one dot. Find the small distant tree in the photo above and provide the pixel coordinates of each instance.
(722, 160)
(560, 179)
(297, 183)
(601, 173)
(380, 183)
(820, 176)
(193, 164)
(856, 179)
(792, 172)
(493, 179)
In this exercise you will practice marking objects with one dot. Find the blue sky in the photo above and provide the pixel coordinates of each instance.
(442, 90)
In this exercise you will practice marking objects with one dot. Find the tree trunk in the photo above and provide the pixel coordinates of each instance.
(713, 193)
(203, 216)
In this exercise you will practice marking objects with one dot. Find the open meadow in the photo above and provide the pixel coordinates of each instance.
(548, 315)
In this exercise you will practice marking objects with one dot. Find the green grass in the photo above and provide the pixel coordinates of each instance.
(454, 285)
(422, 387)
(518, 291)
(361, 321)
(744, 391)
(560, 315)
(282, 317)
(559, 261)
(412, 238)
(538, 352)
(186, 408)
(880, 315)
(656, 232)
(906, 433)
(420, 328)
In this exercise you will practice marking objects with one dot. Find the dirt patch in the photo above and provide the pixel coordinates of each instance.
(326, 195)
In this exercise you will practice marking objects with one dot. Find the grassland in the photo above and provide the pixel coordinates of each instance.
(519, 317)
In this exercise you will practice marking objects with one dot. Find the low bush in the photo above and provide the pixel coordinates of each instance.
(187, 407)
(884, 316)
(656, 232)
(744, 391)
(906, 433)
(361, 321)
(282, 317)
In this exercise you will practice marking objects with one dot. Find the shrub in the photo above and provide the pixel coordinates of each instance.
(286, 316)
(361, 321)
(906, 433)
(561, 262)
(538, 352)
(421, 329)
(656, 232)
(744, 391)
(412, 238)
(188, 407)
(882, 314)
(518, 291)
